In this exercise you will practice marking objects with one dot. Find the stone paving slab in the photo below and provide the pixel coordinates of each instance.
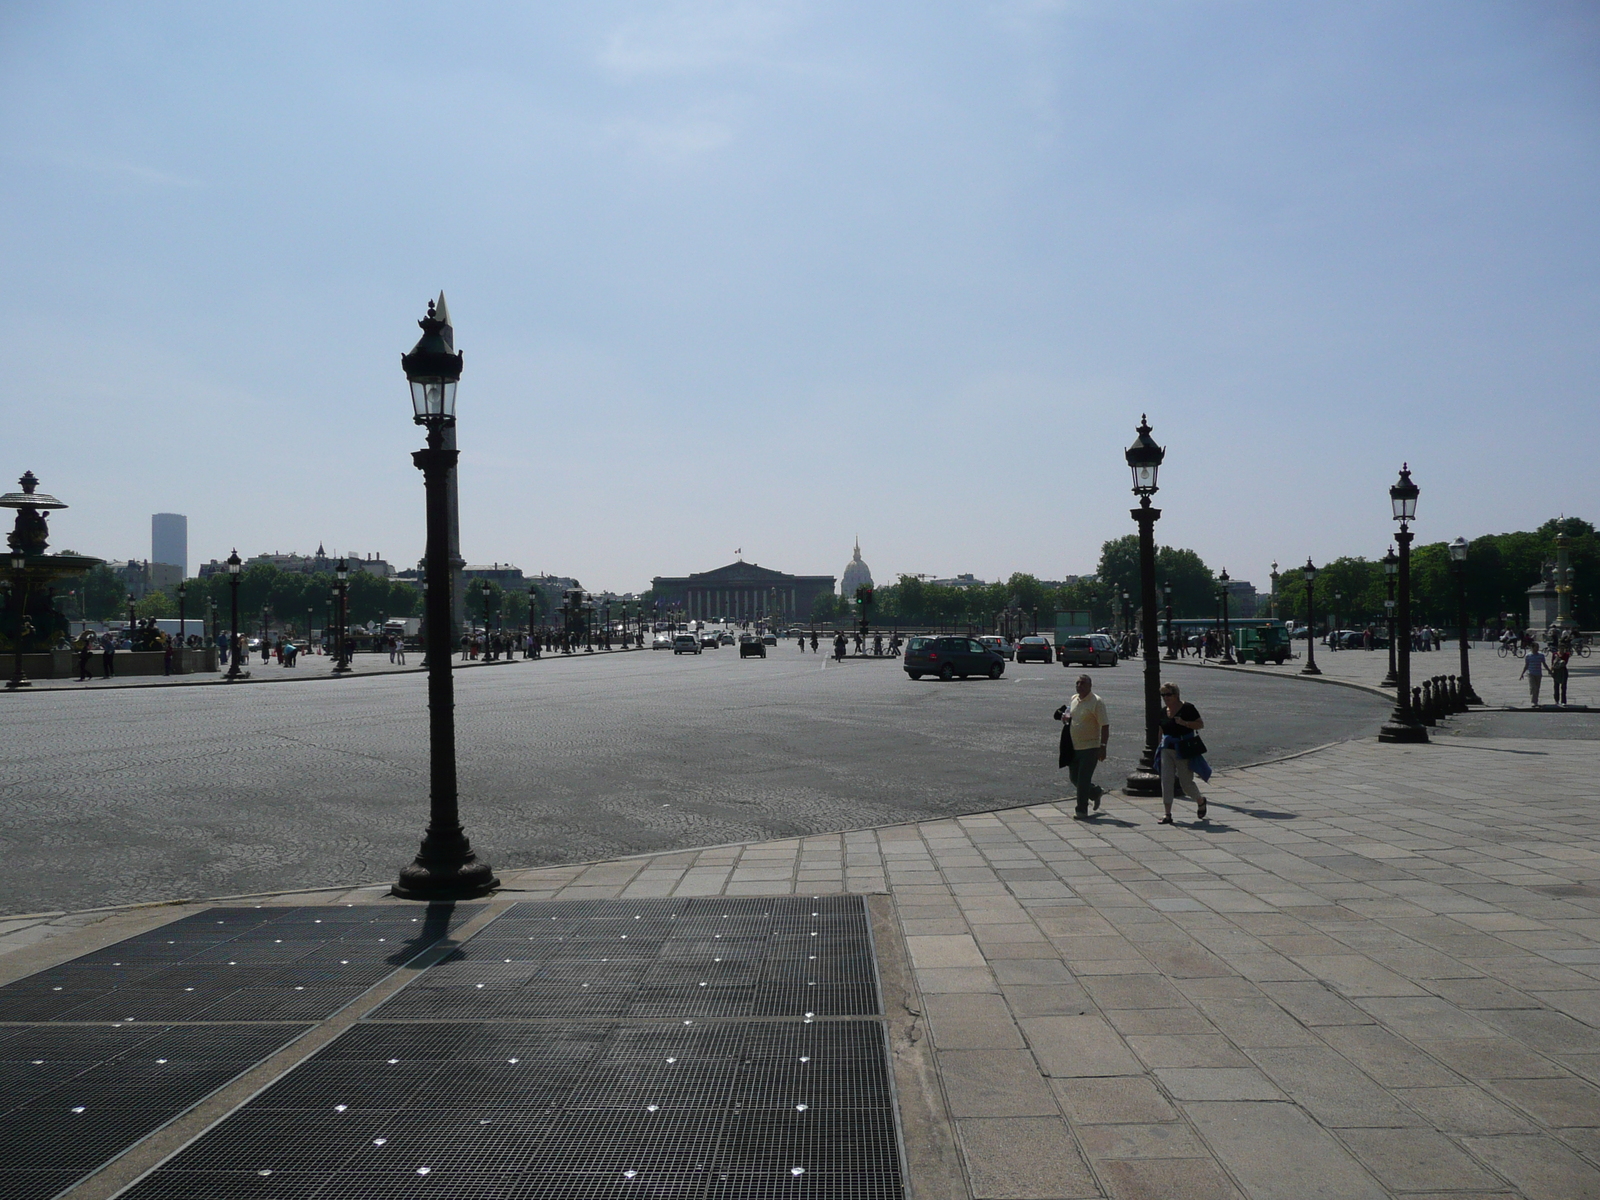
(1375, 972)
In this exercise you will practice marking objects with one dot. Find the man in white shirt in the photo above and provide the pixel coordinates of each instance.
(1089, 730)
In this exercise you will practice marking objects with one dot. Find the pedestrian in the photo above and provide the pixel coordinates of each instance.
(108, 649)
(1533, 669)
(166, 655)
(1181, 749)
(84, 643)
(400, 649)
(1558, 675)
(1086, 730)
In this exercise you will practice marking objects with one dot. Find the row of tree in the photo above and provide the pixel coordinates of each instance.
(1498, 571)
(292, 596)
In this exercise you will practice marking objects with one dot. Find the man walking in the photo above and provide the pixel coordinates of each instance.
(1533, 669)
(1087, 732)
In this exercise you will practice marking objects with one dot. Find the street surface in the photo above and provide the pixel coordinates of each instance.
(133, 795)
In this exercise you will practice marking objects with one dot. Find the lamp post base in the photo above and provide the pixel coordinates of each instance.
(1404, 732)
(445, 873)
(1145, 780)
(1389, 681)
(1468, 696)
(13, 684)
(1311, 669)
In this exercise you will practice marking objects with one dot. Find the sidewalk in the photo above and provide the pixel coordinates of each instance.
(1376, 973)
(1494, 678)
(307, 666)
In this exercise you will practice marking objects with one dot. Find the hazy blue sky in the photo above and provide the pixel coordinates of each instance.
(770, 275)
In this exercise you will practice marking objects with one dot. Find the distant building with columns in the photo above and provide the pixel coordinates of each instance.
(741, 591)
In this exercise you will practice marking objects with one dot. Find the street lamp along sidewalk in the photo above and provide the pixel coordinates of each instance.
(445, 867)
(1403, 725)
(1144, 459)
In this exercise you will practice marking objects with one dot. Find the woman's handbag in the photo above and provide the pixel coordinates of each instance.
(1190, 745)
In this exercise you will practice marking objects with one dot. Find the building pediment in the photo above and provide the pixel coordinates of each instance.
(740, 573)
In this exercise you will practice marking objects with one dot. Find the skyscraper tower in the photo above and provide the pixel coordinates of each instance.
(169, 541)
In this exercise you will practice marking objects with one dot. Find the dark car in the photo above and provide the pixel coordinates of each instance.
(1092, 650)
(751, 647)
(948, 657)
(1035, 649)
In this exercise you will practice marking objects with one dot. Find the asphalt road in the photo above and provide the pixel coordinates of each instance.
(112, 797)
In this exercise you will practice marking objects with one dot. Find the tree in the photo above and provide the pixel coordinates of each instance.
(1194, 587)
(104, 597)
(155, 604)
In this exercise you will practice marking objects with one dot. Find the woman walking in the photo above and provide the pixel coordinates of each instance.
(1180, 744)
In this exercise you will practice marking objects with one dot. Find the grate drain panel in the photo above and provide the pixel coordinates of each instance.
(602, 1109)
(235, 964)
(698, 957)
(73, 1096)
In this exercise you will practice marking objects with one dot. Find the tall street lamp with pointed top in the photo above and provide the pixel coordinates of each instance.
(234, 567)
(1458, 563)
(1403, 725)
(1227, 639)
(446, 868)
(1310, 576)
(1391, 566)
(1144, 459)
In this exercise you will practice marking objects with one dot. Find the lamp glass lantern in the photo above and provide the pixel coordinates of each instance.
(1458, 550)
(342, 571)
(1403, 496)
(1310, 572)
(1391, 563)
(233, 563)
(433, 368)
(1144, 459)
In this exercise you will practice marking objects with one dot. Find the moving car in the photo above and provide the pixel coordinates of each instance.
(686, 643)
(948, 657)
(1091, 650)
(661, 641)
(708, 641)
(1003, 645)
(769, 639)
(725, 638)
(1034, 649)
(751, 647)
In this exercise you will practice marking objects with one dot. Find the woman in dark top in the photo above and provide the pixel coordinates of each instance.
(1178, 719)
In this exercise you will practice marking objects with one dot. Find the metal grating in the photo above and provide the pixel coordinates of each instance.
(779, 1109)
(699, 957)
(73, 1096)
(657, 1086)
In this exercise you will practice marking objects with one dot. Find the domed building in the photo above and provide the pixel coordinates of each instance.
(855, 575)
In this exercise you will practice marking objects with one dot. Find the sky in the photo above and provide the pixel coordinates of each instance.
(772, 276)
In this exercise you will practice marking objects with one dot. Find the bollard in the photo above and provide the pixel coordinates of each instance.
(1427, 716)
(1456, 704)
(1416, 703)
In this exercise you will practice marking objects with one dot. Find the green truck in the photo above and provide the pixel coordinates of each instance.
(1261, 644)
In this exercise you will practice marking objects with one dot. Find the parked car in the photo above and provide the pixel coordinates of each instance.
(686, 643)
(1006, 648)
(948, 657)
(751, 647)
(1034, 649)
(661, 641)
(1091, 650)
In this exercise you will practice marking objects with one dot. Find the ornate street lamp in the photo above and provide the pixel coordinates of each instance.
(1144, 459)
(183, 591)
(233, 617)
(445, 866)
(1311, 620)
(131, 618)
(1227, 641)
(1403, 725)
(19, 598)
(341, 592)
(1172, 650)
(1458, 563)
(1391, 566)
(533, 599)
(1274, 577)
